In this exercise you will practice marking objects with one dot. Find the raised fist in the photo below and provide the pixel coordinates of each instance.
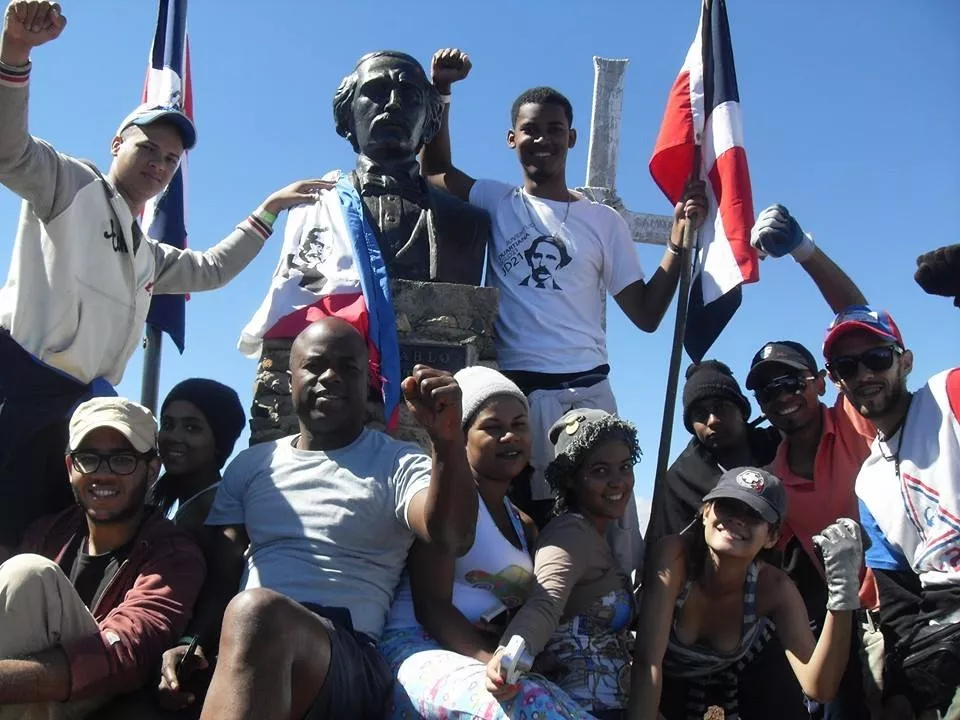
(938, 272)
(842, 552)
(29, 23)
(434, 398)
(777, 233)
(448, 66)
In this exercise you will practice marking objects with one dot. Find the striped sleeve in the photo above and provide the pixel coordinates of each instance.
(14, 75)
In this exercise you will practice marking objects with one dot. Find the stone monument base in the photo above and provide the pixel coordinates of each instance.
(446, 326)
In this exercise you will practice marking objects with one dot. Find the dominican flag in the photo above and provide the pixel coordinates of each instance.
(168, 83)
(702, 136)
(331, 265)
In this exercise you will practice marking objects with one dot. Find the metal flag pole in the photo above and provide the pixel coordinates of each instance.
(150, 380)
(687, 255)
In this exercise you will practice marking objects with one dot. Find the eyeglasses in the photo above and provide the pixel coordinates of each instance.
(122, 463)
(878, 359)
(785, 384)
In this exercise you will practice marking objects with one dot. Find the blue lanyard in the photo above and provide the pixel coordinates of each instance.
(517, 525)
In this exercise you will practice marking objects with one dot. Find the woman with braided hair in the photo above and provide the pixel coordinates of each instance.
(576, 619)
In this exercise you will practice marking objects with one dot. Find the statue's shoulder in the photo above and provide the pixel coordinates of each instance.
(449, 207)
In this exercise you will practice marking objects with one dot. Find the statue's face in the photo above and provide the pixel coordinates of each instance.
(389, 108)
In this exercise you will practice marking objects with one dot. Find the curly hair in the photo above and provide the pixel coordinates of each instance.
(561, 473)
(343, 99)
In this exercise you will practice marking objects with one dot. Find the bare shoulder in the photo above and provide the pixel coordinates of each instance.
(774, 587)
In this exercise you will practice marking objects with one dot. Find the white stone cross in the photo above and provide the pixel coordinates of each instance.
(600, 184)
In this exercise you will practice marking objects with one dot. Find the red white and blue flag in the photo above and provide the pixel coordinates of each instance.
(702, 136)
(164, 217)
(331, 265)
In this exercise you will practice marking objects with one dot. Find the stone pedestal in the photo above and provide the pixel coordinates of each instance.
(448, 327)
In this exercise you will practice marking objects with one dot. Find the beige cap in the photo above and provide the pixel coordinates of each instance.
(132, 420)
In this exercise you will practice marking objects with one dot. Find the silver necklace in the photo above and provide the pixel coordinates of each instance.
(563, 222)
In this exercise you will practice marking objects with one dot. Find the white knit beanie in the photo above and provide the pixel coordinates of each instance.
(478, 384)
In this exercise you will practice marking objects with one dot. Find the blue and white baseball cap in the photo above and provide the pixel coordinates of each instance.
(149, 113)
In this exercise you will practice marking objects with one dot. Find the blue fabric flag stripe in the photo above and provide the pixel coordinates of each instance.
(706, 322)
(719, 73)
(169, 40)
(375, 284)
(168, 312)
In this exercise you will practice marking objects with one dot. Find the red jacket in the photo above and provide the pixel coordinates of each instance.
(144, 610)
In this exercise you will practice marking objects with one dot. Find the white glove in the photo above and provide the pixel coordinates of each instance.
(839, 545)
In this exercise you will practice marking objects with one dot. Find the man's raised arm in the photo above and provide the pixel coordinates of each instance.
(436, 161)
(445, 514)
(777, 233)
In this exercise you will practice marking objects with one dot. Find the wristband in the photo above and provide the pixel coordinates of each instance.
(265, 216)
(445, 99)
(674, 249)
(186, 640)
(805, 249)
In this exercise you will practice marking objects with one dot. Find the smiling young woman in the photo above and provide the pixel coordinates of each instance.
(576, 620)
(710, 605)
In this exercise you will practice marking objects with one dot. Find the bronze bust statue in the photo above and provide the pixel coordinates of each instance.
(387, 108)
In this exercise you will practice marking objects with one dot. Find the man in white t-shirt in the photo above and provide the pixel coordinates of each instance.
(554, 257)
(320, 524)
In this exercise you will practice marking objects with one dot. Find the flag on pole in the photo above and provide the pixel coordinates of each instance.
(702, 135)
(168, 83)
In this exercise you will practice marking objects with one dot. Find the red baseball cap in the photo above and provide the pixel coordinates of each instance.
(862, 317)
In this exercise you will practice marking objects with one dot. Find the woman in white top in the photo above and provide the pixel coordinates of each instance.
(200, 421)
(448, 612)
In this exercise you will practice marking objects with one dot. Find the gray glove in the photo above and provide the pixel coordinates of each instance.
(776, 233)
(839, 545)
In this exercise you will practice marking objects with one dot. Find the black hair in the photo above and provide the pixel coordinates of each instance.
(561, 473)
(343, 98)
(541, 95)
(565, 258)
(696, 549)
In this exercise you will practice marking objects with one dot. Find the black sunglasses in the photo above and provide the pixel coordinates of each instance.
(785, 384)
(878, 359)
(122, 463)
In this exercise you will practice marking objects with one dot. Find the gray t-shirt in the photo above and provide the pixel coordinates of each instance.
(326, 527)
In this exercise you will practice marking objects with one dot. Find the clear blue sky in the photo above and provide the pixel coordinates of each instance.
(849, 109)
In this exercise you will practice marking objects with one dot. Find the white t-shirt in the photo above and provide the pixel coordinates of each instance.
(326, 527)
(913, 517)
(553, 275)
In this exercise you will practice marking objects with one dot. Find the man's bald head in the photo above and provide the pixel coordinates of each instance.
(329, 378)
(330, 330)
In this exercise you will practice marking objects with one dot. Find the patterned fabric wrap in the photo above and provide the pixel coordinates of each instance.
(592, 653)
(437, 684)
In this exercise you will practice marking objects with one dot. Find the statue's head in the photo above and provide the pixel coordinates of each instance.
(387, 108)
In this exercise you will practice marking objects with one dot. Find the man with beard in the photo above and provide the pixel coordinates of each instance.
(316, 528)
(550, 335)
(97, 592)
(823, 447)
(909, 494)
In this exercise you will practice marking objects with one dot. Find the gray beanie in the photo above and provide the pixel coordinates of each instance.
(478, 384)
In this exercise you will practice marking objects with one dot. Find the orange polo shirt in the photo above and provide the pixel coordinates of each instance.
(814, 504)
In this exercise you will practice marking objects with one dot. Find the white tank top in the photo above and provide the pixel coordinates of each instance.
(494, 573)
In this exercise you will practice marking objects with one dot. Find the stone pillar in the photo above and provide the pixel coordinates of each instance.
(446, 326)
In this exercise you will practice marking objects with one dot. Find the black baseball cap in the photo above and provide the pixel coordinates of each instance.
(781, 352)
(756, 488)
